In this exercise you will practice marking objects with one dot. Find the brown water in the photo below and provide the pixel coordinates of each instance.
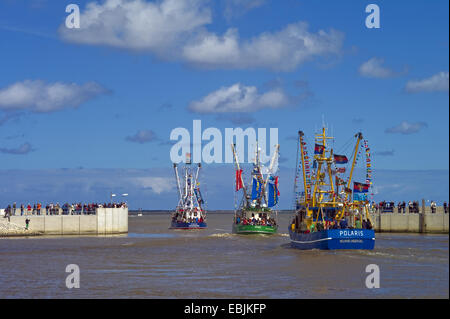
(155, 262)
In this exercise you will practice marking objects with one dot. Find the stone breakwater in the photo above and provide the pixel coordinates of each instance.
(8, 229)
(105, 221)
(422, 222)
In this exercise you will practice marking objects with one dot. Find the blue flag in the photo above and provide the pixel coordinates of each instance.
(198, 195)
(360, 197)
(256, 188)
(273, 192)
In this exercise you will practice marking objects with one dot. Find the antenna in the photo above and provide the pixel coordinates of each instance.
(332, 134)
(188, 158)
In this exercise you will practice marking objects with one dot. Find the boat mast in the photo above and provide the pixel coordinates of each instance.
(321, 158)
(236, 160)
(257, 163)
(272, 163)
(302, 155)
(178, 181)
(197, 173)
(191, 190)
(329, 162)
(197, 183)
(355, 153)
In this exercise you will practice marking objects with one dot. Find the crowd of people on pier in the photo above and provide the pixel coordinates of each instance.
(57, 209)
(412, 207)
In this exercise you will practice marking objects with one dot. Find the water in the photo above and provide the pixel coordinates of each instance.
(155, 262)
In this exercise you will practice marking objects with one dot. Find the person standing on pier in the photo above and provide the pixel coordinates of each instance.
(433, 207)
(445, 207)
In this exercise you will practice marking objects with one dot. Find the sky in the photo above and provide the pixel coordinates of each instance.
(89, 111)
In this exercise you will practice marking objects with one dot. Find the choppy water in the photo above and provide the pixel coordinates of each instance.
(155, 262)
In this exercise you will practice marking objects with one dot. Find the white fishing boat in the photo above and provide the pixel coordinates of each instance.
(190, 212)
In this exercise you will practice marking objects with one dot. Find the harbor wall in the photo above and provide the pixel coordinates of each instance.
(105, 221)
(423, 222)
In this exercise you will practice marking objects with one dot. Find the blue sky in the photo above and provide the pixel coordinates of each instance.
(106, 98)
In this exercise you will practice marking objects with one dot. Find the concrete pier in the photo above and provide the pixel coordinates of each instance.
(423, 222)
(105, 221)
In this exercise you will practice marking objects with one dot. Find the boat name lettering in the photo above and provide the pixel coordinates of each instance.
(351, 233)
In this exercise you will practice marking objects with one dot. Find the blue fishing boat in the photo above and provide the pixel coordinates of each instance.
(326, 216)
(334, 239)
(190, 212)
(186, 225)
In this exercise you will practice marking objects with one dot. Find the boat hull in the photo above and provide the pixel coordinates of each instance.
(254, 229)
(192, 225)
(334, 239)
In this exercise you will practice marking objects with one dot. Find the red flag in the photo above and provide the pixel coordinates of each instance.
(340, 159)
(276, 185)
(239, 180)
(341, 169)
(319, 149)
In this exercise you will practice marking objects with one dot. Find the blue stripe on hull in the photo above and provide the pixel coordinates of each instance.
(194, 225)
(334, 239)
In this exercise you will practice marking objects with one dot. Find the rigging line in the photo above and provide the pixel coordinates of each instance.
(345, 146)
(297, 170)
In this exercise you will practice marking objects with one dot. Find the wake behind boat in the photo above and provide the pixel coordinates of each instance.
(189, 213)
(325, 216)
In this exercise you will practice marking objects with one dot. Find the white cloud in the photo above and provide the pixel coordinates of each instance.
(406, 128)
(385, 153)
(40, 97)
(21, 150)
(143, 136)
(374, 69)
(436, 83)
(236, 119)
(156, 184)
(176, 29)
(138, 25)
(283, 50)
(239, 98)
(236, 8)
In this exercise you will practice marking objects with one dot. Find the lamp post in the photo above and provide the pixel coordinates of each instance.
(112, 195)
(125, 195)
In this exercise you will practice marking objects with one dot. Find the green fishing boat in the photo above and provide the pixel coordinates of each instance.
(254, 229)
(255, 214)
